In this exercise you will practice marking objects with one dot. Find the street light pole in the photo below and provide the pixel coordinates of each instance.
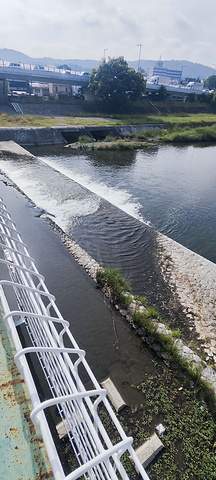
(105, 49)
(140, 46)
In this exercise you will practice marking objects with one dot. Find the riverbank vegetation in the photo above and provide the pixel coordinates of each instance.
(189, 135)
(183, 128)
(181, 402)
(118, 287)
(139, 313)
(43, 121)
(168, 120)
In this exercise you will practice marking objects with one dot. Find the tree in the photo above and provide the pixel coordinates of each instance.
(114, 82)
(210, 82)
(163, 94)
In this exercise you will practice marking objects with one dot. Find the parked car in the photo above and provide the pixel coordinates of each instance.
(38, 67)
(11, 64)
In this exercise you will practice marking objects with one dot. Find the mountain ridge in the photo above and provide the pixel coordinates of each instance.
(190, 69)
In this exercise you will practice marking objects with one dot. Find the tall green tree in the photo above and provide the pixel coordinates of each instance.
(210, 82)
(115, 83)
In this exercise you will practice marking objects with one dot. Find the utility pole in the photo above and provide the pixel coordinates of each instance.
(140, 47)
(105, 49)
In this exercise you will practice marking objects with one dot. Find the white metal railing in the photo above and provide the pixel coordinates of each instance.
(60, 359)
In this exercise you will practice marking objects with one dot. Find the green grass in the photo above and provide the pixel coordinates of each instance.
(118, 286)
(184, 405)
(41, 121)
(84, 139)
(169, 119)
(199, 134)
(126, 144)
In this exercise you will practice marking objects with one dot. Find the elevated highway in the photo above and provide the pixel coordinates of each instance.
(46, 75)
(175, 90)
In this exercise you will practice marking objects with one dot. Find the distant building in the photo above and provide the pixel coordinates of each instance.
(165, 76)
(50, 90)
(40, 89)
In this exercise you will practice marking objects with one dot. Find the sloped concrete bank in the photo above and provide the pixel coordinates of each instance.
(192, 280)
(27, 136)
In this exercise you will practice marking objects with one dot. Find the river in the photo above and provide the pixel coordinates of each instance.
(172, 189)
(110, 202)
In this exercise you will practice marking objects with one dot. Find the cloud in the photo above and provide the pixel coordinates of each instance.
(183, 22)
(83, 29)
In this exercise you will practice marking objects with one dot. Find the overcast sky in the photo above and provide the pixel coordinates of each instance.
(174, 29)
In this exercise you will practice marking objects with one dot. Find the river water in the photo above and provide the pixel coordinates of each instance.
(111, 202)
(172, 189)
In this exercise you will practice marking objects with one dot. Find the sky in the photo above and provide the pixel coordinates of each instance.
(90, 29)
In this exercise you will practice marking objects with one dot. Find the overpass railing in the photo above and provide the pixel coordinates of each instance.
(61, 361)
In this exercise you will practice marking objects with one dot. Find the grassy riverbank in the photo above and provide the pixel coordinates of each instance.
(169, 120)
(41, 121)
(187, 128)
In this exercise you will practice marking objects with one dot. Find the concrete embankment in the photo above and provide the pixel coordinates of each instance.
(27, 136)
(192, 279)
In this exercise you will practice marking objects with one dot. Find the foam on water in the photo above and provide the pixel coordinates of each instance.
(65, 211)
(120, 198)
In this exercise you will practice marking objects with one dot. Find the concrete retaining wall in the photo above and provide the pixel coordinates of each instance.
(66, 134)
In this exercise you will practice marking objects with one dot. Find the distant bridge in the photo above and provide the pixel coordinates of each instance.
(175, 91)
(46, 75)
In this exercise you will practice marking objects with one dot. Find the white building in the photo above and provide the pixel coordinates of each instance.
(164, 75)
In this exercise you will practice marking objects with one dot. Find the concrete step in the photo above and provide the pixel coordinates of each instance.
(113, 394)
(149, 450)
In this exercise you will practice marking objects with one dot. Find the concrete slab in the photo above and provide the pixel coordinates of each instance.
(113, 394)
(11, 147)
(149, 450)
(61, 429)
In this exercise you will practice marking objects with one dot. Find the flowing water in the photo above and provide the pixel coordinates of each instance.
(170, 188)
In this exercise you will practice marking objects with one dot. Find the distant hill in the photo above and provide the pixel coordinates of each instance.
(190, 69)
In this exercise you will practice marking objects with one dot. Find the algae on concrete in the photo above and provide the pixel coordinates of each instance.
(23, 455)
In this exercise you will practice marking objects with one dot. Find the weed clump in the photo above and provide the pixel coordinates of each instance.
(109, 138)
(84, 139)
(119, 288)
